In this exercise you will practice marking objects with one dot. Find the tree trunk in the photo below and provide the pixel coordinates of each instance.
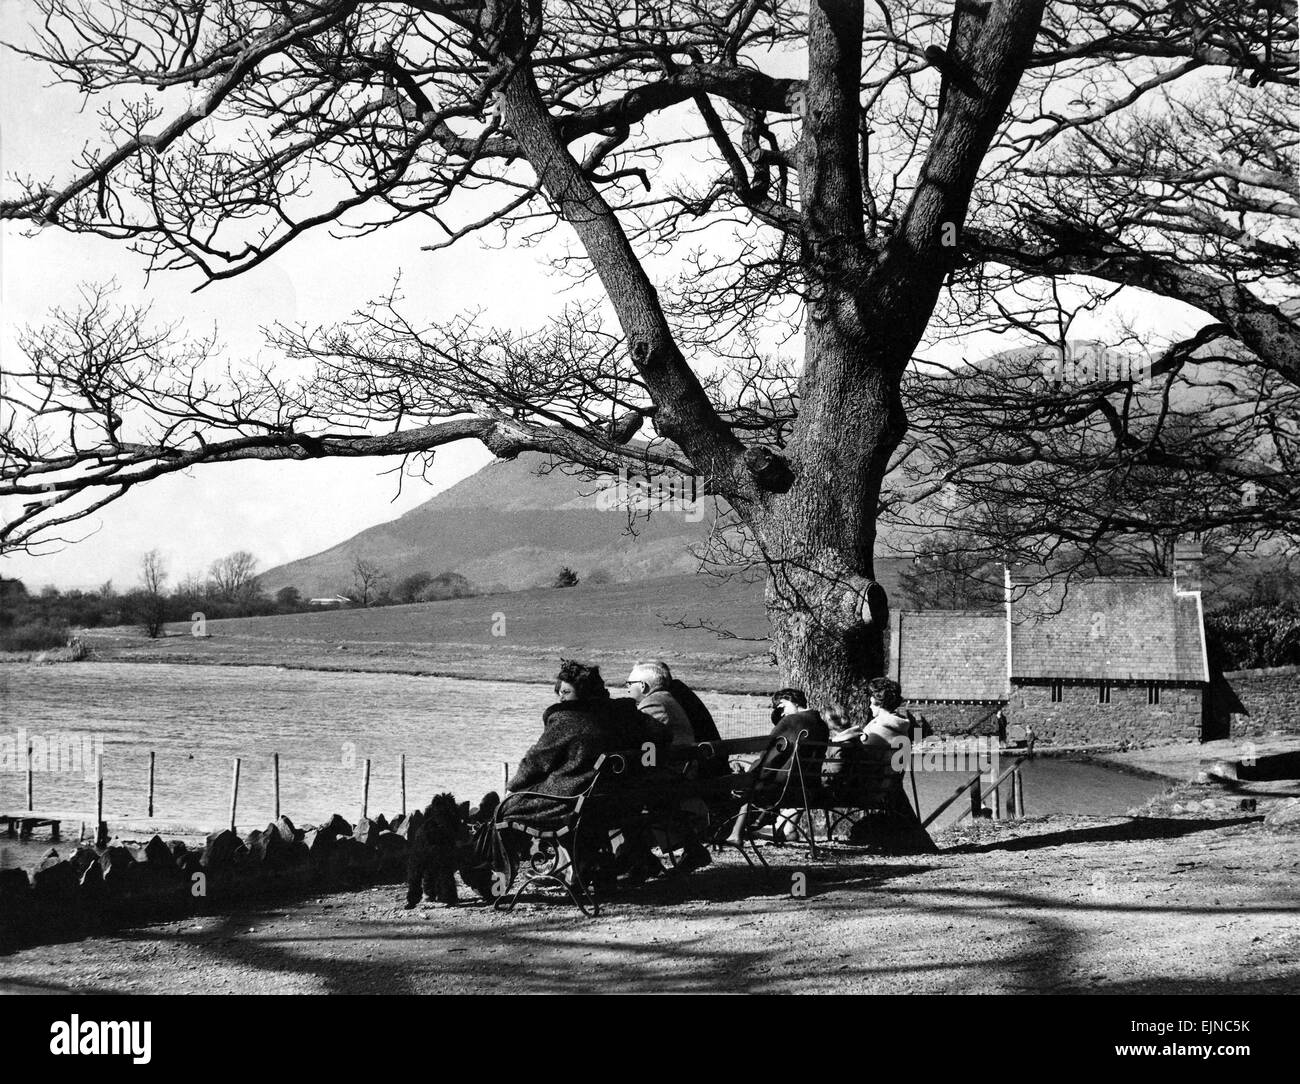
(829, 617)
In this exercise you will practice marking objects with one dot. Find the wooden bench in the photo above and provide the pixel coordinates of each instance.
(794, 777)
(622, 798)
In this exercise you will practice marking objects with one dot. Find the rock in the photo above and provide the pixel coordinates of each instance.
(51, 853)
(337, 827)
(115, 864)
(158, 854)
(55, 880)
(396, 825)
(410, 825)
(1248, 804)
(92, 881)
(365, 830)
(189, 863)
(392, 850)
(84, 858)
(1284, 814)
(1220, 769)
(50, 860)
(381, 823)
(274, 850)
(13, 884)
(288, 833)
(220, 849)
(318, 842)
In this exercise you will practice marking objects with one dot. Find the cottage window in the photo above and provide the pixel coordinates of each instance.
(1103, 693)
(1153, 693)
(1057, 692)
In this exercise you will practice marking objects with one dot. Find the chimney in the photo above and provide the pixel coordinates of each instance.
(1188, 561)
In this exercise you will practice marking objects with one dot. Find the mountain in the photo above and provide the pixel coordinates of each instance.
(514, 524)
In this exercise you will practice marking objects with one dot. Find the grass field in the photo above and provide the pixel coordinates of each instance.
(517, 636)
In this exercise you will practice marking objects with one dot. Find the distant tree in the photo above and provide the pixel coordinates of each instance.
(566, 577)
(105, 590)
(367, 580)
(150, 603)
(447, 585)
(192, 589)
(233, 578)
(952, 574)
(409, 589)
(12, 590)
(288, 598)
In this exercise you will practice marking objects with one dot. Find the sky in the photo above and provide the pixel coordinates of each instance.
(278, 511)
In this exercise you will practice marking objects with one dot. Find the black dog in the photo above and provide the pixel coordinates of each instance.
(435, 847)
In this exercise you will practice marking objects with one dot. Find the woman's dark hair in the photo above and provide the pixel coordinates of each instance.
(586, 680)
(887, 691)
(795, 696)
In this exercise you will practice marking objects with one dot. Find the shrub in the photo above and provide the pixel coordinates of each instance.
(1253, 637)
(566, 577)
(34, 636)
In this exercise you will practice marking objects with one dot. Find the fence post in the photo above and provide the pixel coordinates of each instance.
(996, 796)
(30, 791)
(1020, 793)
(101, 826)
(505, 777)
(401, 771)
(152, 756)
(275, 777)
(234, 791)
(365, 787)
(976, 806)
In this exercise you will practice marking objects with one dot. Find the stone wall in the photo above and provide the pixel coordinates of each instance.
(1271, 696)
(125, 881)
(1079, 719)
(952, 717)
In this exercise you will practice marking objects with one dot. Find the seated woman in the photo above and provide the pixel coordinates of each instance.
(583, 725)
(781, 781)
(892, 825)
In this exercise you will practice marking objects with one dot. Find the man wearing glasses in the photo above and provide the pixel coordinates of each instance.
(647, 684)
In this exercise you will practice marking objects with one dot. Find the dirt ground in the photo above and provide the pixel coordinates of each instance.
(1201, 902)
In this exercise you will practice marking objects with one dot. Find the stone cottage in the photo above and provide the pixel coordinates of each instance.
(1097, 661)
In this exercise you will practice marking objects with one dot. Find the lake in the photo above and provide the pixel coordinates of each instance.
(455, 734)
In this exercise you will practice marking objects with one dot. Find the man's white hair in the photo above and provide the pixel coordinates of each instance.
(654, 673)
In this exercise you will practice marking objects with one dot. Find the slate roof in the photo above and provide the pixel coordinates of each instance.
(950, 654)
(1116, 629)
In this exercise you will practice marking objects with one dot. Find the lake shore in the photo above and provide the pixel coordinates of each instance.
(732, 674)
(1160, 904)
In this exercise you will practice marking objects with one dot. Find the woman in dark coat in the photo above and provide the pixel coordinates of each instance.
(577, 730)
(782, 782)
(575, 734)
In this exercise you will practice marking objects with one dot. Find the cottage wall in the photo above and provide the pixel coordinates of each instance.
(1078, 718)
(1271, 696)
(949, 717)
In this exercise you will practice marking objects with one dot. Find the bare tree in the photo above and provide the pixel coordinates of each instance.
(976, 146)
(233, 578)
(151, 600)
(368, 580)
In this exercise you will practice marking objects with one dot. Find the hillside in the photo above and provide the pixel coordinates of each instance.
(511, 526)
